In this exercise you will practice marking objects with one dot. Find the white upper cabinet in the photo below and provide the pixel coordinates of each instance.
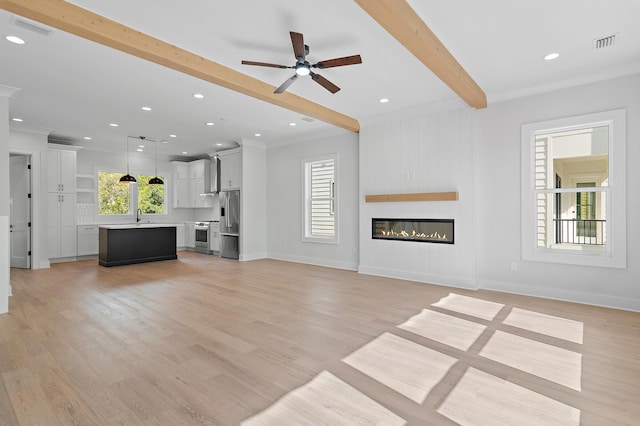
(61, 166)
(190, 181)
(230, 169)
(181, 169)
(181, 184)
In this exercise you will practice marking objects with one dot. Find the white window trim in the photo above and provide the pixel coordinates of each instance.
(615, 255)
(305, 202)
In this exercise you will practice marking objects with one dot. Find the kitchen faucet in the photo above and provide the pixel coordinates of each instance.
(138, 214)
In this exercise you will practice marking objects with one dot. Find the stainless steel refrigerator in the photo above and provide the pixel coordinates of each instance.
(230, 224)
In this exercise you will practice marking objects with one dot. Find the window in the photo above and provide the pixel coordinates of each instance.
(113, 197)
(117, 198)
(150, 197)
(320, 200)
(573, 190)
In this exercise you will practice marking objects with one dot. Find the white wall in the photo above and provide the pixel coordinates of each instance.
(253, 208)
(285, 202)
(497, 219)
(4, 200)
(419, 151)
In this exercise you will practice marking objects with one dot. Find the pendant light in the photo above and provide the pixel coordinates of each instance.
(128, 178)
(156, 180)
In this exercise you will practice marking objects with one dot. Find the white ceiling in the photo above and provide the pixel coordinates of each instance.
(73, 88)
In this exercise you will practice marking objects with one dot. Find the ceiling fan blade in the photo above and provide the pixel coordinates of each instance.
(264, 64)
(297, 40)
(324, 82)
(338, 62)
(288, 82)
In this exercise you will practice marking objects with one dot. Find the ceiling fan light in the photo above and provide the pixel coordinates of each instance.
(302, 69)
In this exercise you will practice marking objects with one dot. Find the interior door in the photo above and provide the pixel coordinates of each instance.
(20, 211)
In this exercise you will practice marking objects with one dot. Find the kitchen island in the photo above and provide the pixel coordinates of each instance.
(136, 243)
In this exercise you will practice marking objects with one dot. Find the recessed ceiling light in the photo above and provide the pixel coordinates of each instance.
(257, 134)
(87, 138)
(551, 56)
(17, 119)
(292, 124)
(15, 39)
(184, 152)
(218, 144)
(140, 146)
(113, 125)
(383, 100)
(198, 95)
(145, 108)
(209, 123)
(172, 136)
(139, 149)
(164, 141)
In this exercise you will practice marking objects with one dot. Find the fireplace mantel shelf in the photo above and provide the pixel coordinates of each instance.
(420, 196)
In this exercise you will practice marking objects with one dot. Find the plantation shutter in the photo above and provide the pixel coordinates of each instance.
(322, 198)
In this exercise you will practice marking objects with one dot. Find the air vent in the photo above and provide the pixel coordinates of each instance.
(601, 43)
(31, 26)
(307, 119)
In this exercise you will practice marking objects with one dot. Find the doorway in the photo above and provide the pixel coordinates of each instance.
(20, 211)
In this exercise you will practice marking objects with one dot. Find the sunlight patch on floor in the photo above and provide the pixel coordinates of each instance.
(549, 362)
(483, 399)
(443, 328)
(408, 368)
(470, 306)
(325, 400)
(413, 369)
(553, 326)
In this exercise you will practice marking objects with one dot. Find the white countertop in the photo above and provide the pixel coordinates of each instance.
(139, 225)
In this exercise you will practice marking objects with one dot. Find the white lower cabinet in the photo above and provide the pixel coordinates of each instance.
(180, 236)
(88, 243)
(190, 235)
(61, 228)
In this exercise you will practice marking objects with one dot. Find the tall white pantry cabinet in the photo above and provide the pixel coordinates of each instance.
(61, 184)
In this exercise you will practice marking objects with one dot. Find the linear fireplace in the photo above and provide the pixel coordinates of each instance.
(421, 230)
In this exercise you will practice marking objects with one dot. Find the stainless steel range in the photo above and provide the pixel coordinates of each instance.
(207, 237)
(203, 235)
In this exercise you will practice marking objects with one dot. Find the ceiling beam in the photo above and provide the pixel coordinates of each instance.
(403, 23)
(75, 20)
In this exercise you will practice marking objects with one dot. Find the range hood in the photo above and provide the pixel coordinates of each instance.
(212, 177)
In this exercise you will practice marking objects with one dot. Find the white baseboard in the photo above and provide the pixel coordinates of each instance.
(329, 263)
(419, 277)
(252, 256)
(595, 299)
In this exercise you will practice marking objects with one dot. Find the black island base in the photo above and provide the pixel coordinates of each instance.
(125, 245)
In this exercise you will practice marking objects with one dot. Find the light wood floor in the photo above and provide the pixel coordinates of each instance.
(203, 340)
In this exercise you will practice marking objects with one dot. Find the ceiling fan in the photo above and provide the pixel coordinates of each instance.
(303, 67)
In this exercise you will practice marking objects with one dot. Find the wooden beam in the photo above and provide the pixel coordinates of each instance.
(75, 20)
(403, 23)
(420, 196)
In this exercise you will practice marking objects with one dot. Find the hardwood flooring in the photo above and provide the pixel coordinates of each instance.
(209, 341)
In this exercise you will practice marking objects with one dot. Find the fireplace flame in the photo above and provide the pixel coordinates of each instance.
(414, 234)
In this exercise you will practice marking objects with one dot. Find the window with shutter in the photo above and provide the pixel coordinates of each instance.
(320, 221)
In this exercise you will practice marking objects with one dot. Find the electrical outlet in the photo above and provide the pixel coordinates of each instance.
(514, 266)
